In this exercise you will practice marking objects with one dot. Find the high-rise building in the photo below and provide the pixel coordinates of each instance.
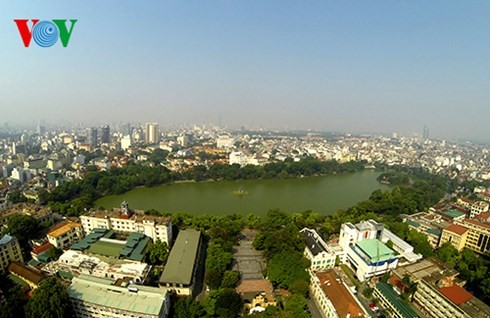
(125, 129)
(105, 134)
(152, 133)
(92, 137)
(426, 133)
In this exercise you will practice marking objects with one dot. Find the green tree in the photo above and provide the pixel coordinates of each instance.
(368, 292)
(230, 279)
(420, 243)
(299, 286)
(296, 304)
(187, 308)
(50, 300)
(224, 302)
(448, 254)
(217, 261)
(24, 228)
(285, 268)
(54, 253)
(157, 253)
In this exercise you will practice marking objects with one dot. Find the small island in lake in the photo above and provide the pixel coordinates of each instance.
(240, 192)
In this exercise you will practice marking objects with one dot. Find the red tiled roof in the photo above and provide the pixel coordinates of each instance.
(341, 298)
(395, 281)
(480, 220)
(483, 217)
(257, 286)
(41, 248)
(455, 228)
(456, 294)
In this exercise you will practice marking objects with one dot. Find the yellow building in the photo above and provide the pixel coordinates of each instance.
(455, 234)
(65, 234)
(478, 238)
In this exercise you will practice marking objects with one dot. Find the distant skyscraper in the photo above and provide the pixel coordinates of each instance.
(105, 134)
(92, 137)
(125, 129)
(152, 133)
(426, 133)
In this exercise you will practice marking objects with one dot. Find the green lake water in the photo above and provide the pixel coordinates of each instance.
(321, 194)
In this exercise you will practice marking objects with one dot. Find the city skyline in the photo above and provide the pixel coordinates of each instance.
(349, 67)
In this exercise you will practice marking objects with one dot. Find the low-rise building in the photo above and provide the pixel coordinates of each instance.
(30, 276)
(438, 301)
(41, 214)
(65, 234)
(427, 223)
(439, 293)
(477, 208)
(454, 234)
(371, 258)
(256, 293)
(366, 252)
(39, 253)
(101, 242)
(125, 220)
(317, 251)
(390, 300)
(180, 271)
(9, 252)
(99, 297)
(77, 263)
(333, 298)
(478, 238)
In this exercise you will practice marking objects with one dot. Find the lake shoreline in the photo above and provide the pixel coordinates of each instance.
(323, 194)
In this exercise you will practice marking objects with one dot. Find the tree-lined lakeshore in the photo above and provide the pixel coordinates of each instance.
(78, 195)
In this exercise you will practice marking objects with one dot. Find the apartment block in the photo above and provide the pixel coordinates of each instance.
(125, 220)
(332, 296)
(65, 234)
(478, 238)
(100, 297)
(389, 299)
(9, 252)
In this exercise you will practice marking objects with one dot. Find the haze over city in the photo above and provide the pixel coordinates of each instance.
(366, 67)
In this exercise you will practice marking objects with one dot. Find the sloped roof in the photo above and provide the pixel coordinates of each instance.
(456, 294)
(457, 229)
(182, 258)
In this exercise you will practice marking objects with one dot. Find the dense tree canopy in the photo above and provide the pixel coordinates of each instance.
(50, 300)
(223, 303)
(24, 228)
(157, 253)
(80, 194)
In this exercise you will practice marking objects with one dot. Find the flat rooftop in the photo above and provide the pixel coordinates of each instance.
(134, 298)
(376, 250)
(182, 258)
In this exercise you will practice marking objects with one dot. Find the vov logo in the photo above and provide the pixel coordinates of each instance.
(45, 33)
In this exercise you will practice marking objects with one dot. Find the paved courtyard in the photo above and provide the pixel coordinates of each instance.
(247, 260)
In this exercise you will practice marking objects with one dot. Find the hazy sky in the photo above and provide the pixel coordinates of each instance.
(360, 66)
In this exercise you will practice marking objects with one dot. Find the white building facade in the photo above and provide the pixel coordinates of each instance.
(317, 251)
(125, 221)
